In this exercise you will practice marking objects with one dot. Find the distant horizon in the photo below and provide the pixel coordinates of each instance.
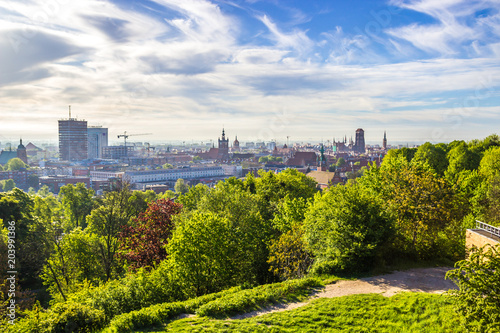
(422, 70)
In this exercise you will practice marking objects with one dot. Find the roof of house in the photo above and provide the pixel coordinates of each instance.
(6, 156)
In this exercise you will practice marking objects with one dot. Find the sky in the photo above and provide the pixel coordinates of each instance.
(316, 70)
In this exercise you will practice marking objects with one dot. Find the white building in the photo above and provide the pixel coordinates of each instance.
(154, 176)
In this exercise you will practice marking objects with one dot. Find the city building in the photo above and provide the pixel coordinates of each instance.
(55, 183)
(359, 145)
(116, 152)
(223, 146)
(163, 175)
(384, 142)
(7, 155)
(236, 144)
(73, 144)
(97, 138)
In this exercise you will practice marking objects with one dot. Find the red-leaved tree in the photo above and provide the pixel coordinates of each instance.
(143, 245)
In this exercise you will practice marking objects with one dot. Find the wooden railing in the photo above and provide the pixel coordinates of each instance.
(489, 228)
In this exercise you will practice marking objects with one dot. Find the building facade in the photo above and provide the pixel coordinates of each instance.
(73, 140)
(97, 139)
(359, 145)
(153, 176)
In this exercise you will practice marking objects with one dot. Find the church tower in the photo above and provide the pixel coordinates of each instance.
(223, 146)
(384, 142)
(21, 152)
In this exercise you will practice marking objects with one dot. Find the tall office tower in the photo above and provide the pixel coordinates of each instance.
(72, 139)
(97, 139)
(384, 142)
(359, 146)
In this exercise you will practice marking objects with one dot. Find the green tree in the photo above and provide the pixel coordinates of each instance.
(263, 159)
(460, 158)
(197, 159)
(181, 187)
(77, 202)
(105, 222)
(288, 258)
(15, 164)
(340, 162)
(241, 209)
(423, 204)
(290, 213)
(204, 255)
(7, 185)
(345, 229)
(478, 299)
(435, 156)
(191, 199)
(167, 166)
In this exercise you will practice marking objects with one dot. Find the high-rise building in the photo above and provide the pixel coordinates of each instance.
(73, 139)
(384, 142)
(97, 138)
(359, 145)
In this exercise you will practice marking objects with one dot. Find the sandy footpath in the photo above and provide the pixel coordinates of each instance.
(429, 280)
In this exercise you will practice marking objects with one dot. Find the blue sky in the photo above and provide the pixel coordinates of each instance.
(424, 70)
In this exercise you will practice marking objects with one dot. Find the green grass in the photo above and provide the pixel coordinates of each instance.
(405, 312)
(222, 304)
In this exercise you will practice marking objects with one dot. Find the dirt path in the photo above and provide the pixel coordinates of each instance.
(429, 280)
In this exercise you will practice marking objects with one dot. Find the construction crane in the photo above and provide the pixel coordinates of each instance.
(125, 136)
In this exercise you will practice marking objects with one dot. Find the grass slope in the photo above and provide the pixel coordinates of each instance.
(405, 312)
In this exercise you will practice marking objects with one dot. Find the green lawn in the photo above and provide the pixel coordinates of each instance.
(405, 312)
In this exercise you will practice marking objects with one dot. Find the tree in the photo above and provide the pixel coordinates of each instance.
(106, 222)
(340, 162)
(489, 167)
(435, 156)
(190, 200)
(204, 255)
(460, 158)
(7, 185)
(288, 258)
(181, 187)
(167, 166)
(422, 203)
(478, 297)
(345, 229)
(144, 243)
(230, 200)
(77, 202)
(197, 158)
(15, 164)
(263, 159)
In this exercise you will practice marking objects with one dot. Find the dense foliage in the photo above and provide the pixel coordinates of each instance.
(478, 298)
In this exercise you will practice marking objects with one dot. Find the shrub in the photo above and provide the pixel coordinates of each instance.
(252, 299)
(160, 313)
(478, 297)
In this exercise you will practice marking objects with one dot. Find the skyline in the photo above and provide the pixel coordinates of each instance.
(422, 70)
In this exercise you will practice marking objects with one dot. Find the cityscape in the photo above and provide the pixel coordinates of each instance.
(84, 155)
(249, 166)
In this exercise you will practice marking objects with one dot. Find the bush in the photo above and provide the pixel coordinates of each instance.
(478, 297)
(160, 313)
(63, 317)
(74, 317)
(252, 299)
